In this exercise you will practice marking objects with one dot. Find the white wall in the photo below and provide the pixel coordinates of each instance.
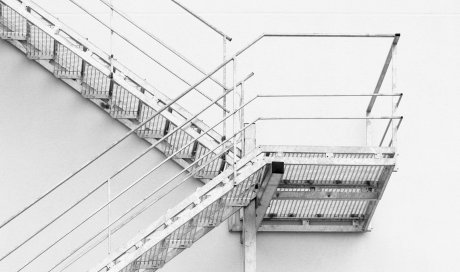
(47, 130)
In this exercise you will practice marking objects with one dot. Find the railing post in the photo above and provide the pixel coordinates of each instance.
(224, 82)
(108, 216)
(234, 119)
(394, 104)
(110, 94)
(241, 125)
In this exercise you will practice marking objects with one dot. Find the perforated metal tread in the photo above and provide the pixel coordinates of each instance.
(339, 194)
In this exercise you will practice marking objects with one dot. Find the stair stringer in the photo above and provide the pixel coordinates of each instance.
(190, 212)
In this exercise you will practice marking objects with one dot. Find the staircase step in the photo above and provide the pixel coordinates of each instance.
(39, 45)
(12, 25)
(123, 104)
(67, 64)
(154, 128)
(95, 84)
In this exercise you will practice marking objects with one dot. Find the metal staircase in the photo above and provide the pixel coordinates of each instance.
(257, 188)
(105, 82)
(313, 192)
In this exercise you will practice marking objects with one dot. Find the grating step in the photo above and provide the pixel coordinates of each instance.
(67, 65)
(12, 25)
(39, 45)
(123, 104)
(94, 83)
(154, 128)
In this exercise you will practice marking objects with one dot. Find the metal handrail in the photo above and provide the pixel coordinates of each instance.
(191, 174)
(96, 188)
(149, 34)
(143, 51)
(117, 142)
(121, 193)
(203, 21)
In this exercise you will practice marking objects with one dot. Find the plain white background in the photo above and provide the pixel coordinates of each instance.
(47, 130)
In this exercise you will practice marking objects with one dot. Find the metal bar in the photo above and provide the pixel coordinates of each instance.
(325, 95)
(383, 73)
(330, 118)
(175, 52)
(390, 122)
(141, 50)
(267, 189)
(203, 21)
(331, 35)
(224, 81)
(394, 105)
(234, 119)
(397, 127)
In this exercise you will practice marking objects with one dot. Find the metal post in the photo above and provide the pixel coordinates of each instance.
(369, 130)
(242, 118)
(234, 119)
(394, 90)
(108, 182)
(249, 237)
(108, 216)
(224, 82)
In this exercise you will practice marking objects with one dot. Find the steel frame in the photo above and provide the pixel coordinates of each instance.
(321, 189)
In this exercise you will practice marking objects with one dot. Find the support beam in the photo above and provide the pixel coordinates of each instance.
(267, 189)
(249, 237)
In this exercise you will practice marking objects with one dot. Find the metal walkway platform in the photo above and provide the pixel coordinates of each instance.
(311, 189)
(339, 194)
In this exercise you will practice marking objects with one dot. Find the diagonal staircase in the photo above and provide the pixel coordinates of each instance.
(108, 84)
(341, 208)
(292, 188)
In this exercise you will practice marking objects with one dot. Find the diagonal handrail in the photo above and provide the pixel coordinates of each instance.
(165, 107)
(191, 174)
(119, 194)
(96, 188)
(155, 38)
(169, 70)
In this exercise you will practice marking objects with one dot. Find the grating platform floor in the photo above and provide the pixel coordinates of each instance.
(325, 189)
